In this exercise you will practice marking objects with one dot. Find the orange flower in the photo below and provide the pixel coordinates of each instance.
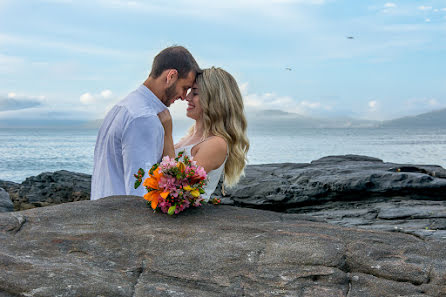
(152, 182)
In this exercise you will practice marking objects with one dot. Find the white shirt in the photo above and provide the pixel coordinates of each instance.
(131, 137)
(213, 176)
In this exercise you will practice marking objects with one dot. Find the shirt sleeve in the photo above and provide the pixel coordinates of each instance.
(142, 146)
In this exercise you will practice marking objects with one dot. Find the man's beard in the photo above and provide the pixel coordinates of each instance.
(169, 94)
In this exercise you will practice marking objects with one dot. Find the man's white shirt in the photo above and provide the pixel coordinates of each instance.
(131, 137)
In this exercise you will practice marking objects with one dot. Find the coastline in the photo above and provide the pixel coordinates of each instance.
(347, 190)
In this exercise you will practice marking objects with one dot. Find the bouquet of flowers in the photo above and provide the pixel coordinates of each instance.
(174, 184)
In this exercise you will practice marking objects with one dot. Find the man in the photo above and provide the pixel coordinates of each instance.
(132, 136)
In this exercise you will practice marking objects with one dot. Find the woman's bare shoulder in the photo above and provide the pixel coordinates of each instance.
(214, 145)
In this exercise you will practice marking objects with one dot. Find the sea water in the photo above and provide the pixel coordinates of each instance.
(28, 152)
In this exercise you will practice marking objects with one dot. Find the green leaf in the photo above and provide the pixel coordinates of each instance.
(171, 210)
(137, 183)
(141, 172)
(201, 191)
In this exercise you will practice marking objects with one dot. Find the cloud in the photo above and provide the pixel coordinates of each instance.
(422, 7)
(91, 49)
(427, 20)
(390, 5)
(415, 106)
(101, 98)
(10, 64)
(221, 10)
(373, 105)
(271, 101)
(14, 102)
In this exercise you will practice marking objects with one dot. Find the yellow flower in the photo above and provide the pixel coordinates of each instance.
(181, 166)
(195, 193)
(188, 188)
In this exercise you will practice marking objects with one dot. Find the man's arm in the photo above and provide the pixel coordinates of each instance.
(142, 146)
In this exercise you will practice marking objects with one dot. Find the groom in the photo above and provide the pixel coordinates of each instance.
(132, 136)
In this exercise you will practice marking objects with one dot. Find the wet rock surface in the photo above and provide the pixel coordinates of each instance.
(5, 202)
(350, 190)
(118, 247)
(49, 188)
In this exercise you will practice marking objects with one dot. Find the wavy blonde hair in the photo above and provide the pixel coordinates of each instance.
(224, 116)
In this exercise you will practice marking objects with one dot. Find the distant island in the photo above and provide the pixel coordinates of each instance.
(435, 119)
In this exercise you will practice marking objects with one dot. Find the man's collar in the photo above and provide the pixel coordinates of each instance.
(147, 93)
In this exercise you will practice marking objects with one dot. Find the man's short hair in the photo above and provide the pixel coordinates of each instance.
(174, 57)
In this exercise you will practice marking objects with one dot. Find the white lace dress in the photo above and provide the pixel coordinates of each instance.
(213, 175)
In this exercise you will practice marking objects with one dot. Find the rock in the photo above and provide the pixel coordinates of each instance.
(50, 188)
(350, 190)
(118, 247)
(5, 202)
(336, 178)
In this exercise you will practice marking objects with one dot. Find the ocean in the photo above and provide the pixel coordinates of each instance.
(28, 152)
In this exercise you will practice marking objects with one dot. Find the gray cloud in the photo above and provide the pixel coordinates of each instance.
(17, 103)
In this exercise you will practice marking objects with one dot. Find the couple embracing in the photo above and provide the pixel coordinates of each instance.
(137, 131)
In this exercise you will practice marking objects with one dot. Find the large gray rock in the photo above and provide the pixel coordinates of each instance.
(335, 178)
(49, 188)
(350, 190)
(347, 190)
(118, 247)
(5, 201)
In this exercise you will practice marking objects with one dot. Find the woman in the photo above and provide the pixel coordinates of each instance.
(217, 141)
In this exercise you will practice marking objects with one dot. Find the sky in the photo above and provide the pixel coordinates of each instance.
(73, 60)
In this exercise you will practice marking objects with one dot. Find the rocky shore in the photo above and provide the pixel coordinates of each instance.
(117, 246)
(349, 190)
(316, 229)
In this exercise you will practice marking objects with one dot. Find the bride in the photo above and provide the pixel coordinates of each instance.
(217, 141)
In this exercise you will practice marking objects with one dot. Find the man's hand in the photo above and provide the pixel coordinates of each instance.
(166, 121)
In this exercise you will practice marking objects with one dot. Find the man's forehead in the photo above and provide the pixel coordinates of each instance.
(190, 79)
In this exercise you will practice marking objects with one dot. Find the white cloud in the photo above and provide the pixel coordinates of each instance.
(390, 5)
(87, 98)
(270, 100)
(373, 105)
(97, 99)
(433, 102)
(217, 10)
(106, 93)
(6, 39)
(427, 20)
(419, 105)
(14, 102)
(422, 7)
(10, 64)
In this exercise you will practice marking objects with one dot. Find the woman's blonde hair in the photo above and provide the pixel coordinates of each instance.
(224, 116)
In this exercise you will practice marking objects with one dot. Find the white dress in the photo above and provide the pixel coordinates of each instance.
(213, 175)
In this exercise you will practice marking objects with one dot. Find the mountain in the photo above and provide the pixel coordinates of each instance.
(287, 119)
(436, 118)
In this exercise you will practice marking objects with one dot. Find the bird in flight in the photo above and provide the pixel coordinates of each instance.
(350, 37)
(287, 68)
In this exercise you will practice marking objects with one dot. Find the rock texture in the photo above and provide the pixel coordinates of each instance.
(118, 247)
(49, 188)
(336, 178)
(350, 191)
(5, 201)
(346, 190)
